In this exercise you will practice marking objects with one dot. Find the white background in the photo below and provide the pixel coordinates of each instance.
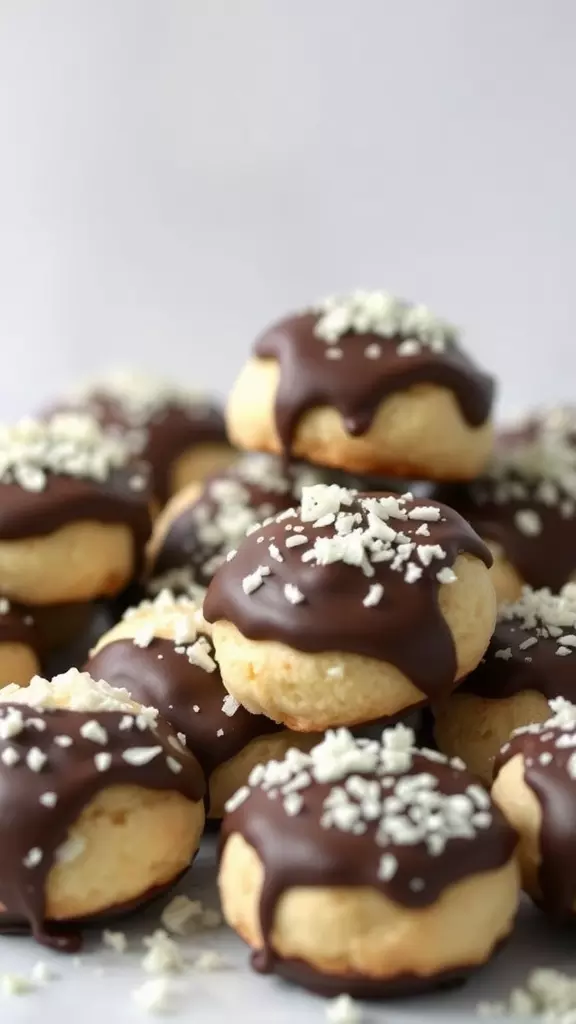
(174, 173)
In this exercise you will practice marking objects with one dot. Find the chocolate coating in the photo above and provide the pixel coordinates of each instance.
(333, 617)
(298, 852)
(17, 626)
(67, 499)
(543, 559)
(555, 791)
(158, 676)
(70, 773)
(231, 501)
(537, 667)
(163, 436)
(356, 385)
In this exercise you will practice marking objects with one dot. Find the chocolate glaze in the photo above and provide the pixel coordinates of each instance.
(356, 385)
(74, 652)
(537, 668)
(555, 791)
(162, 438)
(17, 626)
(545, 560)
(70, 772)
(67, 499)
(158, 676)
(298, 852)
(333, 616)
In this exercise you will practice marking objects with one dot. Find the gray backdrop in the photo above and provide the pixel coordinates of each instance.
(173, 173)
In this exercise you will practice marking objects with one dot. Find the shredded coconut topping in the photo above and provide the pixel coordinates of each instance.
(74, 690)
(142, 396)
(544, 616)
(69, 444)
(548, 995)
(405, 808)
(362, 312)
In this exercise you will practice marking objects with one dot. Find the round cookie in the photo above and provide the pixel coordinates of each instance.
(530, 660)
(535, 787)
(19, 644)
(351, 608)
(524, 507)
(100, 805)
(367, 867)
(162, 656)
(369, 384)
(179, 432)
(203, 523)
(74, 517)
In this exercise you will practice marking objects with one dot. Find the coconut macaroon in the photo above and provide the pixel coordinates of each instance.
(74, 515)
(203, 523)
(369, 384)
(101, 806)
(19, 644)
(351, 608)
(367, 867)
(161, 654)
(530, 659)
(535, 787)
(180, 432)
(524, 506)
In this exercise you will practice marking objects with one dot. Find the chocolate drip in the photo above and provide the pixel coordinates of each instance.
(544, 559)
(356, 385)
(333, 617)
(555, 791)
(159, 676)
(70, 773)
(66, 499)
(298, 852)
(537, 667)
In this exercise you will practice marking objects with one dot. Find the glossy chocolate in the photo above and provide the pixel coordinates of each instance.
(507, 669)
(546, 772)
(355, 385)
(159, 676)
(68, 499)
(546, 558)
(297, 851)
(406, 626)
(70, 773)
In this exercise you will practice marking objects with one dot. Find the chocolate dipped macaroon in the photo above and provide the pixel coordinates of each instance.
(162, 654)
(178, 431)
(530, 659)
(367, 383)
(101, 805)
(351, 608)
(535, 788)
(74, 516)
(524, 506)
(19, 644)
(367, 867)
(200, 526)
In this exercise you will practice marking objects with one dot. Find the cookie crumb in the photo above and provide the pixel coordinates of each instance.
(164, 955)
(343, 1010)
(115, 940)
(155, 995)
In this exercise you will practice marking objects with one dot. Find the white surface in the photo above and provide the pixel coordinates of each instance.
(174, 173)
(100, 989)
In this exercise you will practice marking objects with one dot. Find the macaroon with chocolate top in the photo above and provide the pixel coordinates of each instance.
(367, 383)
(201, 525)
(19, 644)
(162, 654)
(178, 431)
(524, 506)
(100, 806)
(530, 659)
(535, 787)
(351, 608)
(74, 516)
(367, 867)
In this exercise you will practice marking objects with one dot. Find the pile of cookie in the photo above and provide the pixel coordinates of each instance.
(289, 602)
